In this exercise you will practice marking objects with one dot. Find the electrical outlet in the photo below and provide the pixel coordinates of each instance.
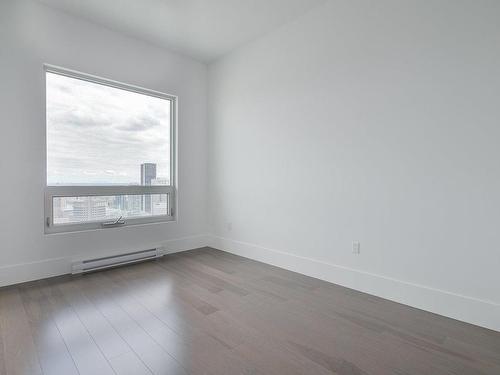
(356, 247)
(229, 226)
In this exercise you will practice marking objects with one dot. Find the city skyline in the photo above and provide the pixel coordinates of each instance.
(67, 210)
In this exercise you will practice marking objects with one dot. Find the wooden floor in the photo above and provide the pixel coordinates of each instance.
(210, 312)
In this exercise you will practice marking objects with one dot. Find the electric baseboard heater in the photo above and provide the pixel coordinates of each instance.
(97, 264)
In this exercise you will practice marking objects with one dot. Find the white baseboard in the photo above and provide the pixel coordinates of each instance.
(23, 272)
(184, 244)
(456, 306)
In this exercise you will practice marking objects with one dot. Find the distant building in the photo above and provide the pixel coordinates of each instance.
(159, 181)
(89, 209)
(58, 208)
(148, 174)
(159, 202)
(159, 206)
(63, 210)
(133, 205)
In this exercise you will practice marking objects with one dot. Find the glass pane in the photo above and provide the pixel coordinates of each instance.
(70, 210)
(101, 135)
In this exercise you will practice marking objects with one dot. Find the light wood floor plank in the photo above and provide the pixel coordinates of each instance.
(20, 352)
(152, 355)
(52, 351)
(83, 349)
(116, 350)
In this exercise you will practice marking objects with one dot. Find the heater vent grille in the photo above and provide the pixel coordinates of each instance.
(96, 264)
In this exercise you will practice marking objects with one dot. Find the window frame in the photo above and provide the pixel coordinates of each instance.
(56, 191)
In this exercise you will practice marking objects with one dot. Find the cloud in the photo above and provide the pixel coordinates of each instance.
(145, 121)
(99, 134)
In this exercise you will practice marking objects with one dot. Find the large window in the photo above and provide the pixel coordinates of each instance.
(110, 153)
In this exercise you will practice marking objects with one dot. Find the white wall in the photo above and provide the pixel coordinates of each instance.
(363, 120)
(375, 121)
(32, 34)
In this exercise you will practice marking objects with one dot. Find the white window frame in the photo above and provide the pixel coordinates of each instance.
(52, 192)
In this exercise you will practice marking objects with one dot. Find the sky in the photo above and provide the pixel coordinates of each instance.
(98, 134)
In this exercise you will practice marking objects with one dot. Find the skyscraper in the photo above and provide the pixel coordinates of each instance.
(89, 209)
(148, 173)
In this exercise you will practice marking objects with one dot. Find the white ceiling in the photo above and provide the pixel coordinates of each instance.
(203, 29)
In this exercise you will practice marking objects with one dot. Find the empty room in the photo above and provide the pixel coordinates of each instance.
(250, 187)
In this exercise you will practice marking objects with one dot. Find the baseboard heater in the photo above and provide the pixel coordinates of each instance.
(97, 264)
